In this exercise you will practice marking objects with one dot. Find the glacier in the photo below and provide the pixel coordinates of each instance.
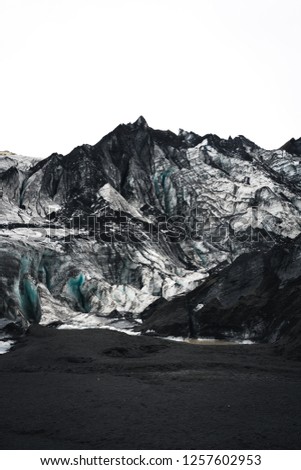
(141, 219)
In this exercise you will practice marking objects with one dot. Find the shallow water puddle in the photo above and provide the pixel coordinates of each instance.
(209, 341)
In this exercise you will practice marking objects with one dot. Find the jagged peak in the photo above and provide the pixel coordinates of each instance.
(191, 138)
(293, 146)
(245, 140)
(184, 133)
(140, 122)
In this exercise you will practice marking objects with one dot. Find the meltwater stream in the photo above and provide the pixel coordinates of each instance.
(123, 325)
(83, 321)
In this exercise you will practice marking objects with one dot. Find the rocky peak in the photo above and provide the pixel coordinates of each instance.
(293, 146)
(140, 122)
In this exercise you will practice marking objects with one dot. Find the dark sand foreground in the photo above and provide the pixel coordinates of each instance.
(96, 389)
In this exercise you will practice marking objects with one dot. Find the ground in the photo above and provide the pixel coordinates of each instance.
(97, 389)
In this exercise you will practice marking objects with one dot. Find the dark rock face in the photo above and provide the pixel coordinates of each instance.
(293, 146)
(168, 318)
(197, 235)
(257, 297)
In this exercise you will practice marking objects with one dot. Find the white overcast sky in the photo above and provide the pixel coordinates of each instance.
(72, 70)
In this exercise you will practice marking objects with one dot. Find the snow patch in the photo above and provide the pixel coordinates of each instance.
(5, 346)
(117, 202)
